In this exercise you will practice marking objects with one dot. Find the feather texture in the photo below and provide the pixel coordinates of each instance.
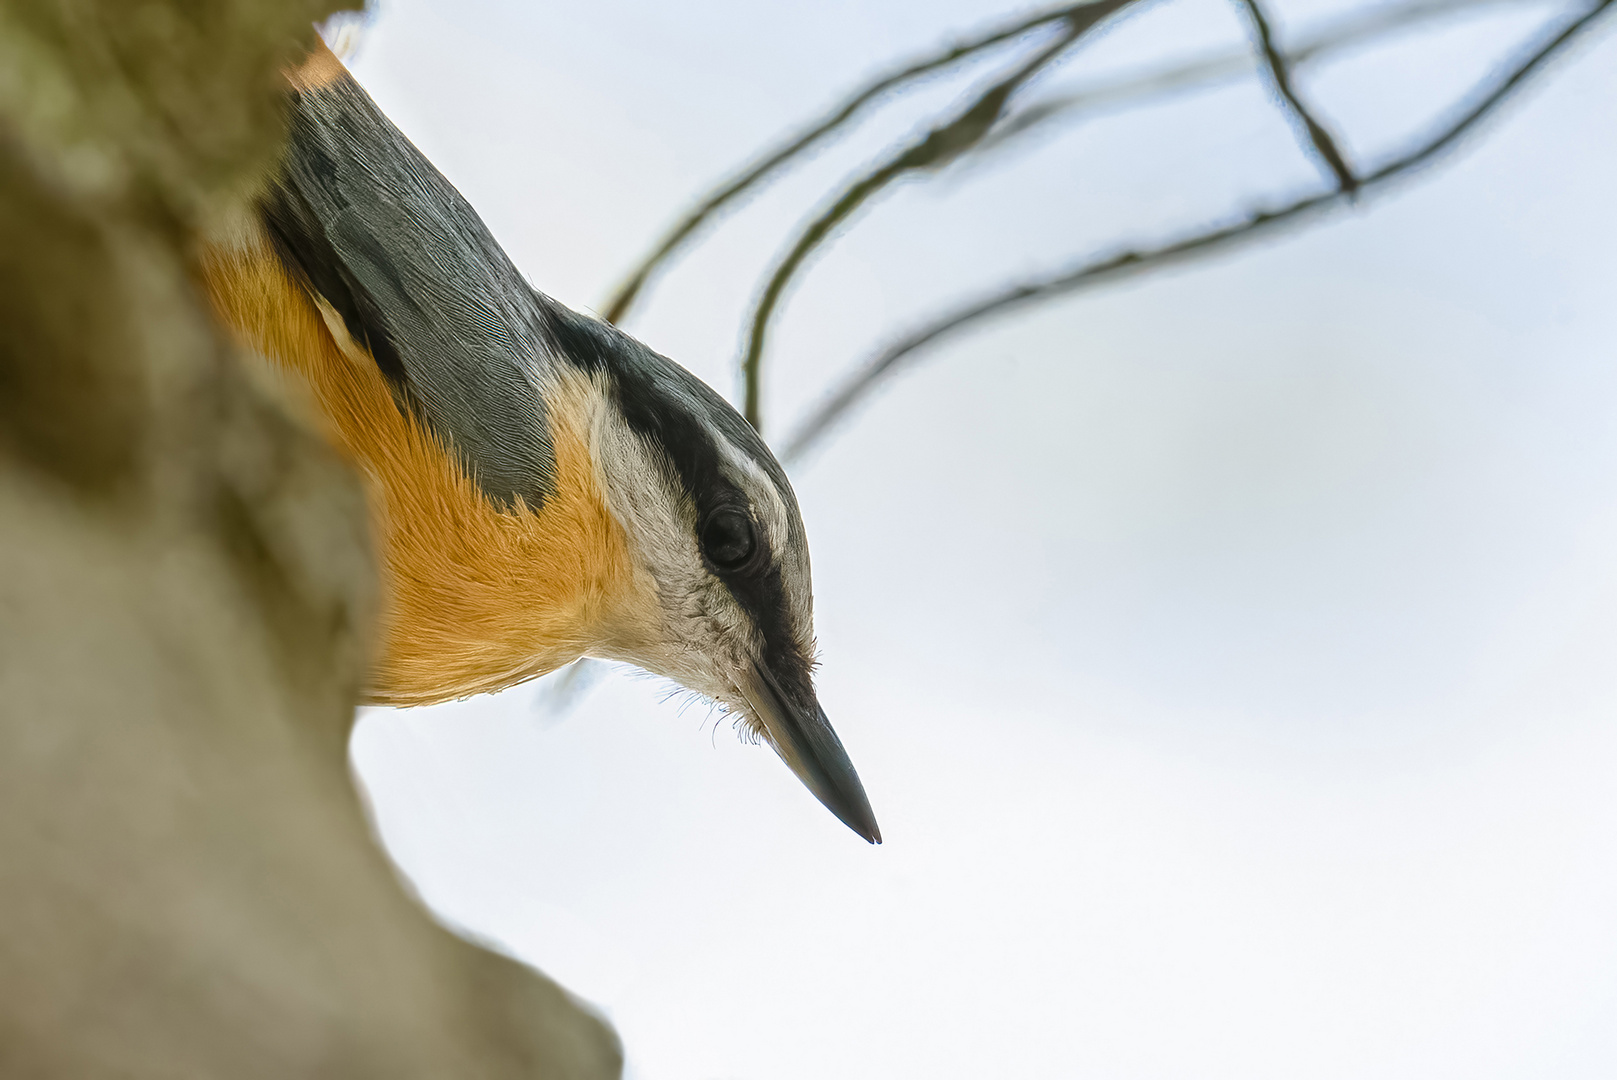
(379, 234)
(476, 596)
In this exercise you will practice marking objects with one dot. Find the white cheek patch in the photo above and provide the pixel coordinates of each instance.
(645, 496)
(702, 637)
(750, 477)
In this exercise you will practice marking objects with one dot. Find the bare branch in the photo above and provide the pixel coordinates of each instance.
(1211, 70)
(941, 145)
(1486, 99)
(1346, 31)
(624, 296)
(1318, 137)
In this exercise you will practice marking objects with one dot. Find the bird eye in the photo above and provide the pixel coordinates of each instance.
(727, 539)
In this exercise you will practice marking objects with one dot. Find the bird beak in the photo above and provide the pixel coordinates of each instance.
(803, 738)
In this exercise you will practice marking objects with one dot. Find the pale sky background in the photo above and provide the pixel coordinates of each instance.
(1230, 656)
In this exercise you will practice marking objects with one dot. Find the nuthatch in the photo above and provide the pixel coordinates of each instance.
(545, 487)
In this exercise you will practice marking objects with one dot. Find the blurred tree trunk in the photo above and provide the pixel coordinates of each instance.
(188, 886)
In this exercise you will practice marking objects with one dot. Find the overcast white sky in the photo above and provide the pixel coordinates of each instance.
(1231, 657)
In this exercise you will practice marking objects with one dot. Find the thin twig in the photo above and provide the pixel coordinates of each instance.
(1345, 32)
(941, 145)
(976, 126)
(1318, 137)
(1137, 89)
(623, 298)
(858, 385)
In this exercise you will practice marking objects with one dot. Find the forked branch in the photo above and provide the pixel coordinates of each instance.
(1323, 143)
(1138, 89)
(942, 144)
(1485, 100)
(624, 297)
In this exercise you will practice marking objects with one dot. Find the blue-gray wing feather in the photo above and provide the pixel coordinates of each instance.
(382, 236)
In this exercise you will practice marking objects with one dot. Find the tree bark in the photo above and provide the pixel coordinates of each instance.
(188, 885)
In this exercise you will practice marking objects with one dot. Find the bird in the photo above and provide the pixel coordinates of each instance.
(543, 487)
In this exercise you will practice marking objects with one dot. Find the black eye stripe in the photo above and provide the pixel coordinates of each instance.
(662, 402)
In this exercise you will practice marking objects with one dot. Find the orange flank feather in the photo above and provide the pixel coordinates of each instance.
(475, 598)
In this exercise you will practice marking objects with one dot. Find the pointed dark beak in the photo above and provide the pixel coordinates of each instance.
(803, 738)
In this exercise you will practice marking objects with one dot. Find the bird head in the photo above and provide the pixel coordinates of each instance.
(721, 599)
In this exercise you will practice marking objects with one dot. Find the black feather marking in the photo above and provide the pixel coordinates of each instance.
(303, 248)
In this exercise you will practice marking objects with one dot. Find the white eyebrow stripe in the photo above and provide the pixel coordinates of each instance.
(789, 547)
(748, 475)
